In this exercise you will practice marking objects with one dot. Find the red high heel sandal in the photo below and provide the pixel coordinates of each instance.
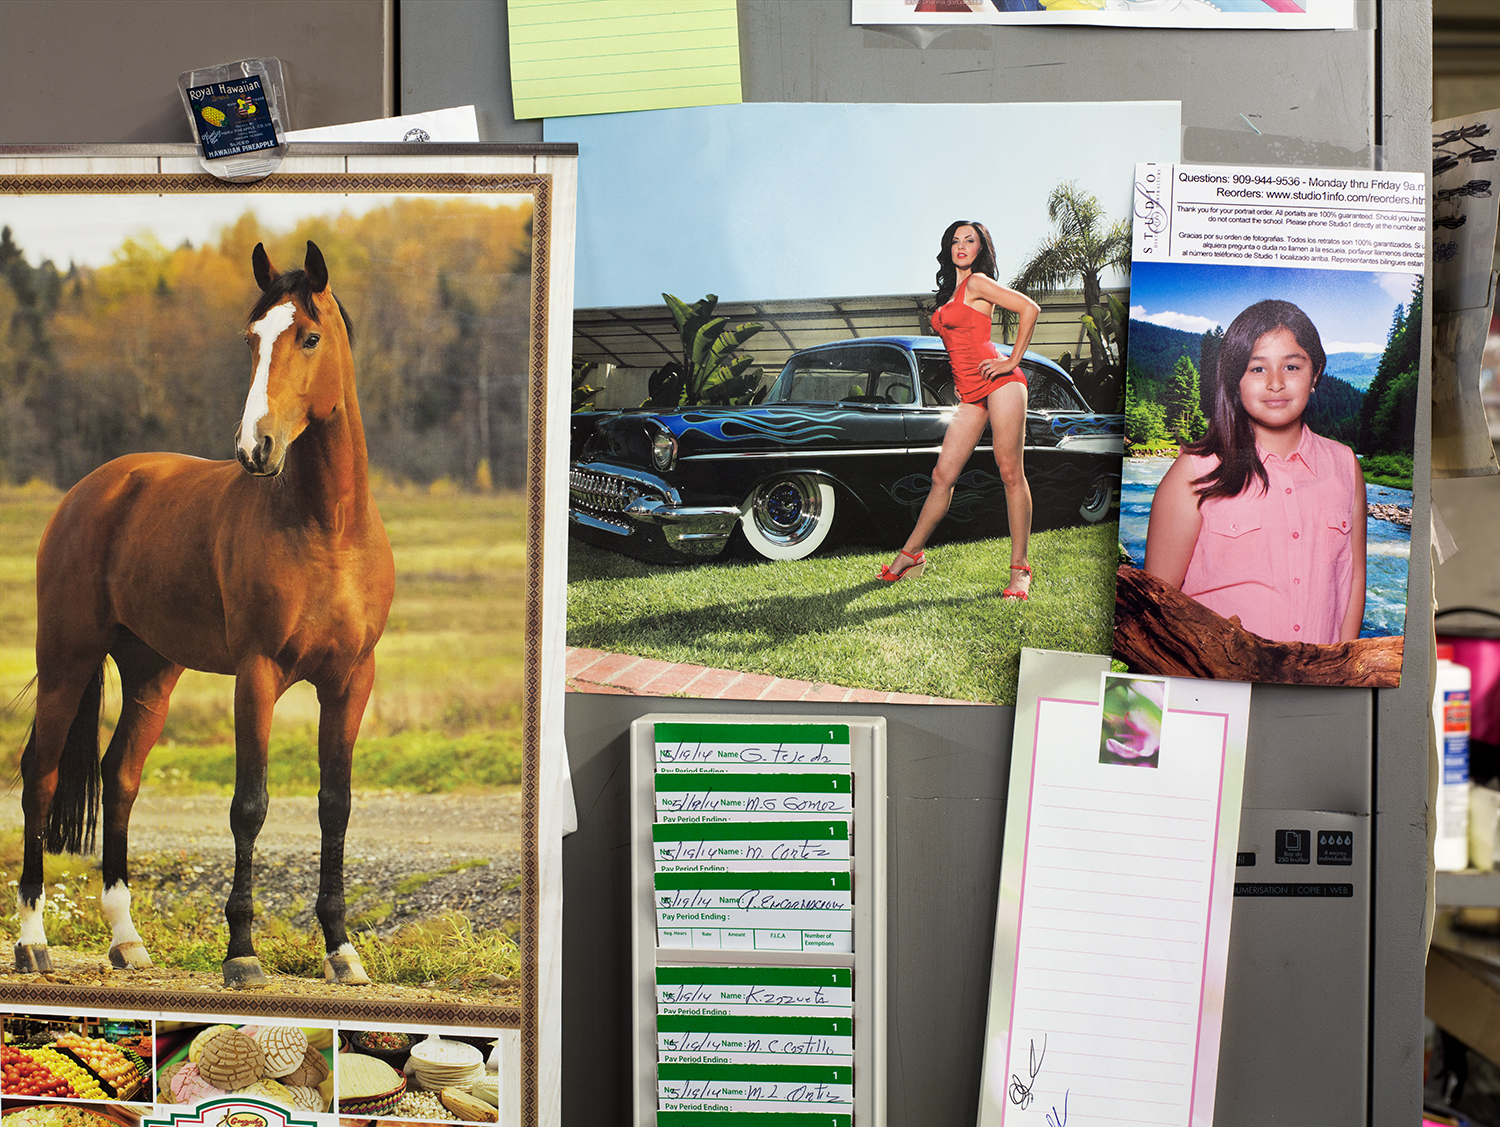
(1011, 592)
(913, 569)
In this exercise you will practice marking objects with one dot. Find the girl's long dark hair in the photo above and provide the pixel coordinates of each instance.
(984, 262)
(1230, 436)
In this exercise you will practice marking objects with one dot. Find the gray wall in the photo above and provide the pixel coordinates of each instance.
(106, 70)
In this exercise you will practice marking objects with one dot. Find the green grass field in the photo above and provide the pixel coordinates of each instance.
(446, 711)
(828, 619)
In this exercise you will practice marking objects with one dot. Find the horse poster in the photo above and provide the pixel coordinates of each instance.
(278, 493)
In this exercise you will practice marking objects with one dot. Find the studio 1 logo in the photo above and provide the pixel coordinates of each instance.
(1150, 215)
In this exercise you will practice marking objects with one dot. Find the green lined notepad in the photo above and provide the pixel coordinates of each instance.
(570, 57)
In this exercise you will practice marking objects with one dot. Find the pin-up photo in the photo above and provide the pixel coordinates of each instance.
(856, 438)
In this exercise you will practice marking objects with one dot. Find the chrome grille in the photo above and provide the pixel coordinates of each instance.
(602, 492)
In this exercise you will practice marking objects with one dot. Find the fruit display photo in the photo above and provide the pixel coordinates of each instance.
(75, 1058)
(28, 1113)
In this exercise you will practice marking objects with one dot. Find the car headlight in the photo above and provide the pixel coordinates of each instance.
(663, 450)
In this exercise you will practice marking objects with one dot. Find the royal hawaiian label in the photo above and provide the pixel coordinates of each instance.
(232, 117)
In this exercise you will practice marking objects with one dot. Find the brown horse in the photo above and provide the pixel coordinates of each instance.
(275, 570)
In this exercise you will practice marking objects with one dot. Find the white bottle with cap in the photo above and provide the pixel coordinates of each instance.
(1450, 719)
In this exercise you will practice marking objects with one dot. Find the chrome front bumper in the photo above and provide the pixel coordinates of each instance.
(636, 512)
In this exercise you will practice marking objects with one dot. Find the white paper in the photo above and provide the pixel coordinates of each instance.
(456, 124)
(1113, 930)
(1114, 916)
(756, 794)
(821, 865)
(760, 1088)
(730, 816)
(1312, 217)
(1464, 209)
(755, 1016)
(737, 843)
(760, 990)
(1248, 14)
(725, 1009)
(751, 747)
(1463, 248)
(704, 1042)
(760, 911)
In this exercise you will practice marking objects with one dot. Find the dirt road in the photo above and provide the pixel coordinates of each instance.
(407, 857)
(413, 851)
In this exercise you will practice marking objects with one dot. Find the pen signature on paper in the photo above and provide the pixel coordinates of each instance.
(1020, 1094)
(1056, 1120)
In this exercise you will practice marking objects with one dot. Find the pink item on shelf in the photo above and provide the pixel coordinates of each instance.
(1482, 657)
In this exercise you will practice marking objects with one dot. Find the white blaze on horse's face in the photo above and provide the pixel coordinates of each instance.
(259, 435)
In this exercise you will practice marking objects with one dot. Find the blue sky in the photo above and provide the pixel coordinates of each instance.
(773, 200)
(1351, 308)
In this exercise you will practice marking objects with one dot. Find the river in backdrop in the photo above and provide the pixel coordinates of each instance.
(1387, 544)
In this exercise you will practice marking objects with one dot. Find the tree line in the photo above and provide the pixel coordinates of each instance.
(147, 352)
(1168, 402)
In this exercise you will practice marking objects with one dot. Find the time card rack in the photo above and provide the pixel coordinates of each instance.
(758, 872)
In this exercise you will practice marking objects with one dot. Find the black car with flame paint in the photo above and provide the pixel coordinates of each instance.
(849, 429)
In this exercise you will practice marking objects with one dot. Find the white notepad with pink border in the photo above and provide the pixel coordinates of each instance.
(1117, 884)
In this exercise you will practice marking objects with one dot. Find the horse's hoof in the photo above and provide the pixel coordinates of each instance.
(244, 973)
(344, 967)
(130, 956)
(33, 959)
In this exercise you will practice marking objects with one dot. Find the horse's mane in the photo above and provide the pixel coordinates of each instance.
(297, 284)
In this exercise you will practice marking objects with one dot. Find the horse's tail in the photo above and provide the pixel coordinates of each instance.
(74, 813)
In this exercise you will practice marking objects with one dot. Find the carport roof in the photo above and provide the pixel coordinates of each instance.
(644, 336)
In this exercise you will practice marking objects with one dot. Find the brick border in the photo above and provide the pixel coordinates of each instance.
(598, 671)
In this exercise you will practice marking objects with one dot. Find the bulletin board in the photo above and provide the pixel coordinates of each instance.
(1335, 98)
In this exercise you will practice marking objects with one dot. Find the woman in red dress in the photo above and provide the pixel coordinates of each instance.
(991, 388)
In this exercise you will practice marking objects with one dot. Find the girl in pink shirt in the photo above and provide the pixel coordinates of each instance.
(1263, 519)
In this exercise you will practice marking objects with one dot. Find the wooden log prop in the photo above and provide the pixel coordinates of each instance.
(1160, 630)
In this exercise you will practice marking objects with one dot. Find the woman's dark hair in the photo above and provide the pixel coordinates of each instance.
(984, 262)
(1230, 436)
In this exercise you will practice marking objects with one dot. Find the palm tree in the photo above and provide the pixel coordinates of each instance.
(1080, 248)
